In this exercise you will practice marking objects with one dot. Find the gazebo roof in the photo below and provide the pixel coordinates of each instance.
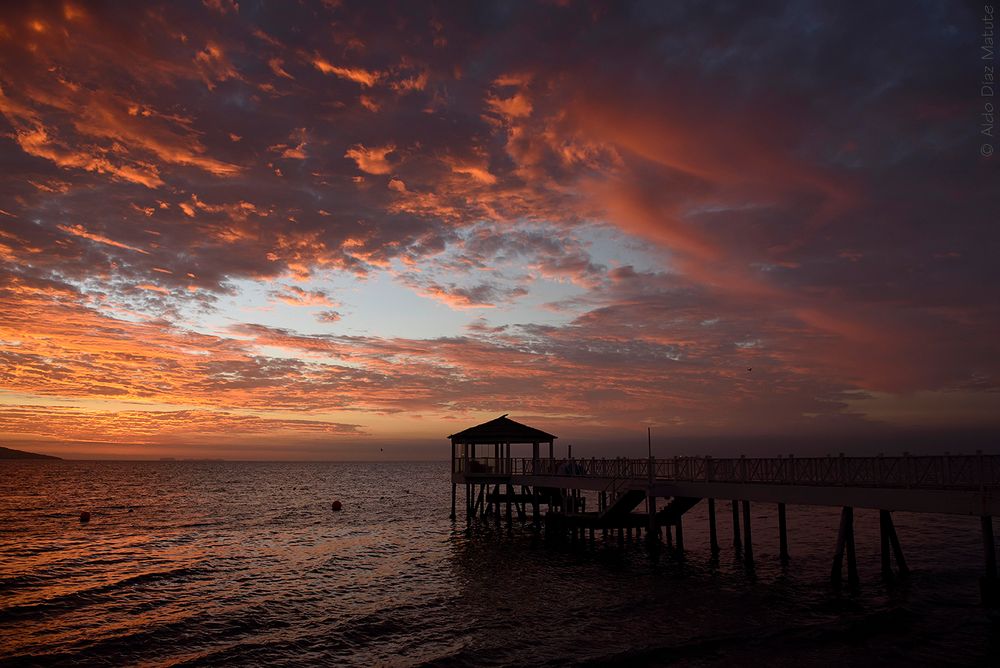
(502, 430)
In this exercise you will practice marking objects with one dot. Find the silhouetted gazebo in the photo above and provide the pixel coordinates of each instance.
(500, 433)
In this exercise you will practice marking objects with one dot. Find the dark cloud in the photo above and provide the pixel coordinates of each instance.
(804, 177)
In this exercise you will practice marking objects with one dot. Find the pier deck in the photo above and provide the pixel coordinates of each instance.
(652, 495)
(948, 484)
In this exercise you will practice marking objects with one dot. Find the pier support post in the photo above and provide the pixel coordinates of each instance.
(897, 549)
(852, 560)
(680, 535)
(713, 535)
(989, 546)
(883, 529)
(496, 508)
(510, 519)
(534, 507)
(845, 542)
(737, 544)
(889, 540)
(782, 535)
(453, 489)
(989, 585)
(747, 537)
(652, 534)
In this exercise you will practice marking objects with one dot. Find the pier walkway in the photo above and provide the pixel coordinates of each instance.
(951, 484)
(631, 496)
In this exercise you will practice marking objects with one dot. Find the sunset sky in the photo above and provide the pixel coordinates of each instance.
(318, 229)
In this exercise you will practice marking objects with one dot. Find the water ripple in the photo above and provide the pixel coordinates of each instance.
(215, 563)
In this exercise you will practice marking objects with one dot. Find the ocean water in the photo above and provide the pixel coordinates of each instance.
(237, 563)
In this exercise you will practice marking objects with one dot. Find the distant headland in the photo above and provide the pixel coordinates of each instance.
(10, 453)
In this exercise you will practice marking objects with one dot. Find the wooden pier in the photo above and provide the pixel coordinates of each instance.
(651, 496)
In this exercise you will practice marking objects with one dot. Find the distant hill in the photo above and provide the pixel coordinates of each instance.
(10, 453)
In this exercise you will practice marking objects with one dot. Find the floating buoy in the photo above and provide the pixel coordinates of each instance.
(84, 517)
(336, 505)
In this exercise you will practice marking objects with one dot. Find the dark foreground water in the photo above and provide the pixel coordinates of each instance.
(193, 563)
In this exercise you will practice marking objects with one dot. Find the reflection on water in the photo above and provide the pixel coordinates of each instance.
(217, 562)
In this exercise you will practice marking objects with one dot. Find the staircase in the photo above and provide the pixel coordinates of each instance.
(678, 505)
(621, 502)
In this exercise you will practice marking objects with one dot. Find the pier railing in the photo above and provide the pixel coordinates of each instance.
(907, 471)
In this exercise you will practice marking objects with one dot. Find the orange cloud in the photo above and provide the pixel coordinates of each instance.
(476, 172)
(356, 74)
(214, 65)
(296, 296)
(80, 231)
(510, 108)
(277, 66)
(372, 160)
(149, 427)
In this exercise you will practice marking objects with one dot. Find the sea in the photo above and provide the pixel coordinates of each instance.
(246, 564)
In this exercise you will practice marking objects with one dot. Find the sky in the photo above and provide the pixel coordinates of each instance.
(331, 230)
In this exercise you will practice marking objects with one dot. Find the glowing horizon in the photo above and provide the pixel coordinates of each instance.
(304, 229)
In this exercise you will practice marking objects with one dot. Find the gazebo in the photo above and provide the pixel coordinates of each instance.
(500, 433)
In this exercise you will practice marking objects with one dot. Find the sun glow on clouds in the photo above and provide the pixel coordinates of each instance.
(218, 225)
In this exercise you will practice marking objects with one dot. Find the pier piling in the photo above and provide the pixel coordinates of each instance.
(468, 504)
(652, 534)
(747, 538)
(883, 530)
(890, 541)
(989, 546)
(897, 549)
(510, 520)
(713, 534)
(782, 535)
(845, 543)
(737, 543)
(989, 584)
